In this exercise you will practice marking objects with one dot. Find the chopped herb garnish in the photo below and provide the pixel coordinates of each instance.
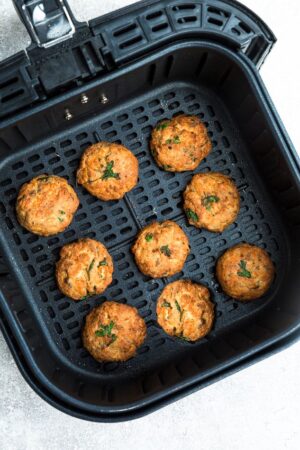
(165, 250)
(91, 265)
(88, 270)
(154, 152)
(192, 215)
(243, 272)
(102, 263)
(149, 237)
(166, 304)
(209, 200)
(109, 173)
(61, 212)
(162, 126)
(60, 219)
(44, 178)
(175, 140)
(113, 337)
(106, 330)
(178, 307)
(166, 167)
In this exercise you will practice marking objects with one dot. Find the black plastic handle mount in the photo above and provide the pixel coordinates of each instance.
(48, 22)
(66, 53)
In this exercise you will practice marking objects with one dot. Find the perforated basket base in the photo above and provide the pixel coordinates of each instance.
(158, 196)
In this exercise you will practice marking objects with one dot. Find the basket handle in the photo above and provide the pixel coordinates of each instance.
(65, 53)
(48, 22)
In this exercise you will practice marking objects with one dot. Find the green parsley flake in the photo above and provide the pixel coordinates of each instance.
(192, 215)
(166, 304)
(162, 126)
(154, 152)
(243, 272)
(165, 250)
(61, 212)
(109, 173)
(175, 140)
(178, 307)
(209, 200)
(91, 265)
(88, 270)
(106, 330)
(113, 337)
(102, 263)
(60, 219)
(149, 237)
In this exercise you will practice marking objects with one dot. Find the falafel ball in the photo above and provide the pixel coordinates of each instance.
(161, 249)
(180, 144)
(245, 272)
(46, 205)
(211, 201)
(108, 171)
(113, 332)
(184, 310)
(85, 268)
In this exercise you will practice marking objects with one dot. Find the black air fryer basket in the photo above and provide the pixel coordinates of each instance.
(114, 79)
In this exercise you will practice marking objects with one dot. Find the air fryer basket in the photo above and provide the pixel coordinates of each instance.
(193, 76)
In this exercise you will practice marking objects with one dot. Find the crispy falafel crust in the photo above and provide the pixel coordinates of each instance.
(245, 272)
(85, 268)
(161, 249)
(184, 310)
(122, 331)
(108, 171)
(180, 144)
(211, 201)
(46, 205)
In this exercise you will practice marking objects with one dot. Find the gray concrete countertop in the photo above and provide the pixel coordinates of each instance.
(257, 408)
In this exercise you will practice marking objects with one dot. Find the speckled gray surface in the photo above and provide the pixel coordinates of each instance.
(258, 408)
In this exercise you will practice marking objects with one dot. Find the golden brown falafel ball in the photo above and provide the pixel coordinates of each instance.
(113, 332)
(184, 310)
(211, 201)
(108, 171)
(180, 144)
(161, 249)
(245, 272)
(85, 268)
(46, 205)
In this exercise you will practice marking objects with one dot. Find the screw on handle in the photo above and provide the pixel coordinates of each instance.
(48, 22)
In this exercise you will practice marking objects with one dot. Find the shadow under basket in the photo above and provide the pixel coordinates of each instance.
(43, 328)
